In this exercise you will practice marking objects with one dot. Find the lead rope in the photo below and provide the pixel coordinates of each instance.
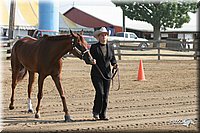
(113, 75)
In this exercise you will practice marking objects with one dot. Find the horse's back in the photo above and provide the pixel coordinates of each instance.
(25, 46)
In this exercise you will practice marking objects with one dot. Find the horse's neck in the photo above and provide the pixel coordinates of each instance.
(58, 48)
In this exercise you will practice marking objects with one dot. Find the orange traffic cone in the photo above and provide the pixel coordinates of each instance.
(141, 72)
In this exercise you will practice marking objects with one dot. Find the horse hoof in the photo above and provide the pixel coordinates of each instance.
(68, 118)
(37, 115)
(30, 111)
(11, 107)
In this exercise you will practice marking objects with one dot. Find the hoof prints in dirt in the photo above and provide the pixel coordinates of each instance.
(163, 101)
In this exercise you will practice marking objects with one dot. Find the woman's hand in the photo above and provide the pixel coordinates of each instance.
(115, 66)
(93, 61)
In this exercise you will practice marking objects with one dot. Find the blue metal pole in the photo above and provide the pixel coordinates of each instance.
(49, 15)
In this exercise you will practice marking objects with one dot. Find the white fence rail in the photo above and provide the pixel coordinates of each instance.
(183, 49)
(126, 48)
(6, 46)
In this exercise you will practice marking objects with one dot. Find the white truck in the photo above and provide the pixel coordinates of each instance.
(130, 36)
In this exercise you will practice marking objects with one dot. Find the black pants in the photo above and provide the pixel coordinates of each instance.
(102, 87)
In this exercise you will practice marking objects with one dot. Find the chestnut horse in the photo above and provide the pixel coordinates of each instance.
(44, 56)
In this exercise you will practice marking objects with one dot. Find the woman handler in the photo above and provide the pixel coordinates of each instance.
(103, 53)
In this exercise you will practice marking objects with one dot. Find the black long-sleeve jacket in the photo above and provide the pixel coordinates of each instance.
(102, 62)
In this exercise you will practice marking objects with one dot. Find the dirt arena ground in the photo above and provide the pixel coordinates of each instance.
(163, 102)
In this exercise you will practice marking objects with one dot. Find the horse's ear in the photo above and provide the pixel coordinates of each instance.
(80, 36)
(71, 33)
(82, 32)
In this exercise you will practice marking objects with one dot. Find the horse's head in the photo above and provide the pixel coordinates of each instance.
(80, 48)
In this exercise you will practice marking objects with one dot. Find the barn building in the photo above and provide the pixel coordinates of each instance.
(111, 18)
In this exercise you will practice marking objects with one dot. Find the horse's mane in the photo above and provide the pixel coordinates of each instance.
(61, 37)
(57, 37)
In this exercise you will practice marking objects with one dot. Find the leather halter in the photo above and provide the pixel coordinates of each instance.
(79, 51)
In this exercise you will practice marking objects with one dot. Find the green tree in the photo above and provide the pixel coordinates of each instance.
(160, 14)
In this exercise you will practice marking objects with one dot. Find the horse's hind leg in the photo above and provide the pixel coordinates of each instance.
(14, 83)
(18, 73)
(56, 79)
(30, 84)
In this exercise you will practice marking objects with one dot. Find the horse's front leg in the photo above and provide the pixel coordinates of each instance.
(30, 84)
(40, 94)
(56, 79)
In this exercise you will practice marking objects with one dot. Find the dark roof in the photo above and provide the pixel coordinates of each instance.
(85, 19)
